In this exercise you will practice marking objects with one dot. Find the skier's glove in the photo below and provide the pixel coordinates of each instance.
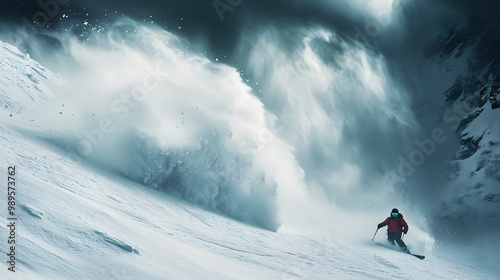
(379, 226)
(405, 231)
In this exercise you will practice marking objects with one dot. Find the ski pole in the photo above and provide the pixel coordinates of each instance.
(402, 236)
(374, 234)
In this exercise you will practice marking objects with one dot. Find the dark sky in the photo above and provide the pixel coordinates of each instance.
(200, 21)
(198, 18)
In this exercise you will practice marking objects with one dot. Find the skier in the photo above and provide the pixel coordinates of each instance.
(396, 226)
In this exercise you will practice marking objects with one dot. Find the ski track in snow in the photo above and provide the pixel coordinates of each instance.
(77, 221)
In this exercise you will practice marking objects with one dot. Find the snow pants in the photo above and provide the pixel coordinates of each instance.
(396, 236)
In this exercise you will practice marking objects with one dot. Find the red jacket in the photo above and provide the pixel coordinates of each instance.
(394, 224)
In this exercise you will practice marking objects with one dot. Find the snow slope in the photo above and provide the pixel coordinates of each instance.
(78, 221)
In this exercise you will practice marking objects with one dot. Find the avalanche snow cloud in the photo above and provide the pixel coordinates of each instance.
(308, 122)
(149, 106)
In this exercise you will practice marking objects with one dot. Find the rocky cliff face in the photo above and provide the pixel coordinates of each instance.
(472, 202)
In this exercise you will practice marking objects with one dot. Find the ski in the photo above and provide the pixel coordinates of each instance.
(418, 256)
(415, 255)
(403, 251)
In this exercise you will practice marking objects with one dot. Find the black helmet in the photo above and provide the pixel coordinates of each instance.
(394, 212)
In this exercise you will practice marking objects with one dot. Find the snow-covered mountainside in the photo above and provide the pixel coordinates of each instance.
(472, 199)
(81, 221)
(28, 93)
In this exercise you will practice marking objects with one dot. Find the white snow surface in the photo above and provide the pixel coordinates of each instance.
(78, 221)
